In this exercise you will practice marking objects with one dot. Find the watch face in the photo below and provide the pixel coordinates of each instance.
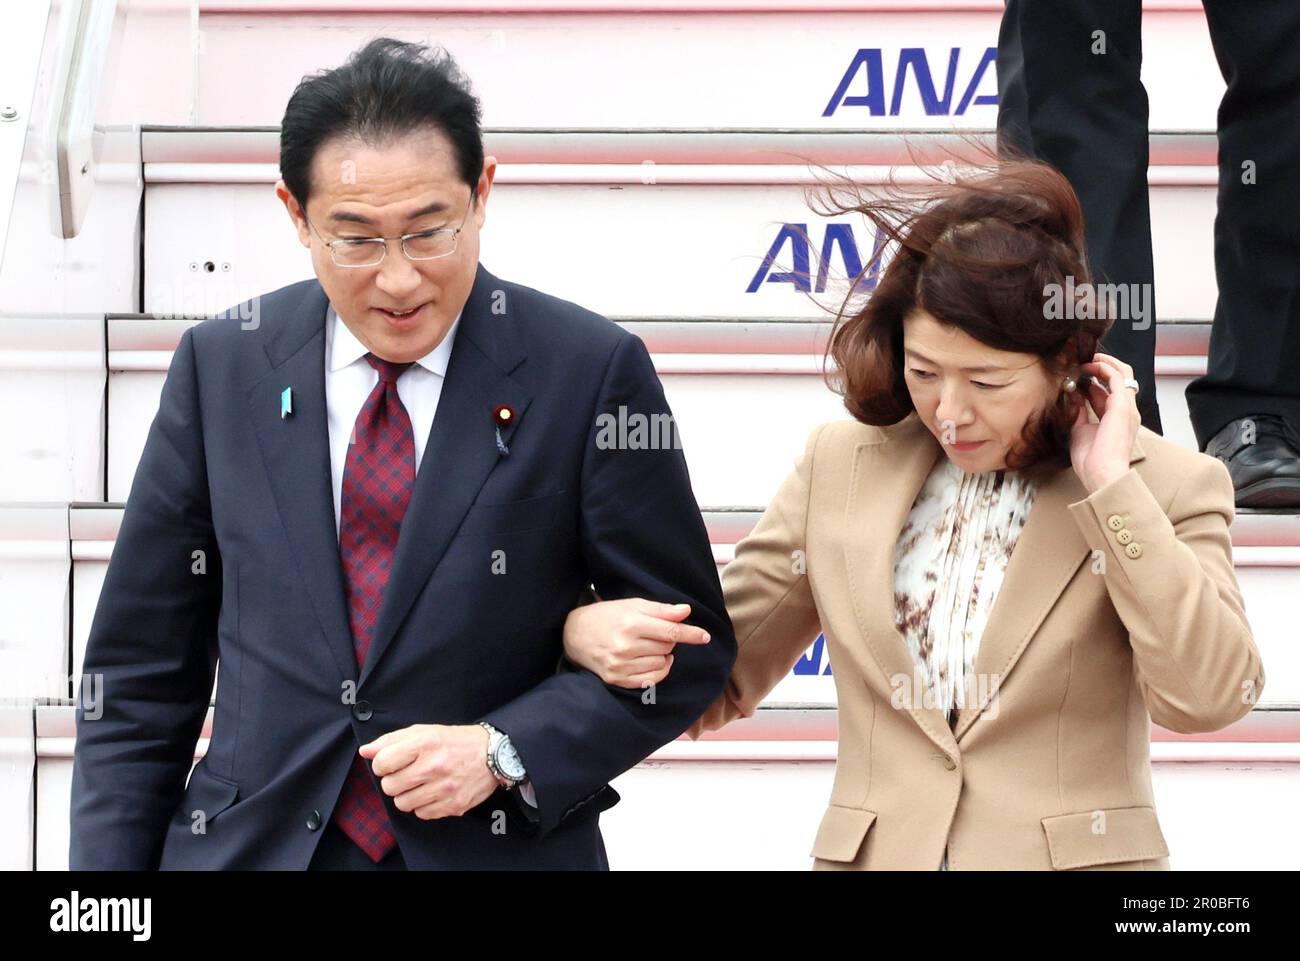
(509, 762)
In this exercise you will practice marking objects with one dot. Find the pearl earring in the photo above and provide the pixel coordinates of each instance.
(1070, 385)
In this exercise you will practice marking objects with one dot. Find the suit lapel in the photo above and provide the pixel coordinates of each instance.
(887, 476)
(295, 452)
(460, 453)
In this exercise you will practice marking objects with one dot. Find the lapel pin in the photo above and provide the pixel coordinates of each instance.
(286, 402)
(503, 416)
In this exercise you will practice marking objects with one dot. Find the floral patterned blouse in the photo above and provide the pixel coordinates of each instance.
(949, 563)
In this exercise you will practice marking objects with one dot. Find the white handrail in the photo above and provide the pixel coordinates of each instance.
(251, 148)
(81, 69)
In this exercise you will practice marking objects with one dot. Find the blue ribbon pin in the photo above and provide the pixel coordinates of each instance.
(286, 402)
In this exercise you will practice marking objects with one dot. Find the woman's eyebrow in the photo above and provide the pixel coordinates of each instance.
(964, 370)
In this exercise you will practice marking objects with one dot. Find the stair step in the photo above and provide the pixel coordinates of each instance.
(686, 67)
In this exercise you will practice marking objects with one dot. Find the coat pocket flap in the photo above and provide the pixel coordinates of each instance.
(840, 836)
(1104, 836)
(531, 513)
(207, 793)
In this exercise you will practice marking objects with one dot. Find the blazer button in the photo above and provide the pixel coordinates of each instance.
(1115, 522)
(313, 821)
(1134, 550)
(1124, 536)
(362, 711)
(948, 762)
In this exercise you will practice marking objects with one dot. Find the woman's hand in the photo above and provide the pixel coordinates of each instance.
(628, 643)
(1100, 452)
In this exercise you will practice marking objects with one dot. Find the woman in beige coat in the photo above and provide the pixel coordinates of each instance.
(1010, 590)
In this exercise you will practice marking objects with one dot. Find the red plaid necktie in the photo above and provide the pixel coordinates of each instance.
(378, 478)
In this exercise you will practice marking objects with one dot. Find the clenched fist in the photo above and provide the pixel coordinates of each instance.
(433, 770)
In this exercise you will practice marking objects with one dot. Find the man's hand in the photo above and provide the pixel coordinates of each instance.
(433, 770)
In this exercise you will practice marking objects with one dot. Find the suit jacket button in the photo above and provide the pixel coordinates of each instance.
(1115, 522)
(313, 821)
(1134, 550)
(1124, 536)
(949, 763)
(362, 710)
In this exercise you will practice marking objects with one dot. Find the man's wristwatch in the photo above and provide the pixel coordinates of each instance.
(502, 758)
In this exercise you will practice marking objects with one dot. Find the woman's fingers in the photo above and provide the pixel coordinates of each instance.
(1126, 370)
(648, 679)
(1106, 379)
(1115, 372)
(637, 666)
(1097, 397)
(670, 612)
(654, 628)
(642, 646)
(629, 642)
(1111, 370)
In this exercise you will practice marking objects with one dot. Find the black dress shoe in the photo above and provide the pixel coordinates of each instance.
(1265, 469)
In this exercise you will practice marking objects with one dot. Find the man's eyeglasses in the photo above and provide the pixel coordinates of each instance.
(369, 251)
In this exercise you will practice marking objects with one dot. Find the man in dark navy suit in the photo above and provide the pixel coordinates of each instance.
(373, 498)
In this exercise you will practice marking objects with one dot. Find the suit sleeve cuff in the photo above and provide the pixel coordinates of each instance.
(1119, 517)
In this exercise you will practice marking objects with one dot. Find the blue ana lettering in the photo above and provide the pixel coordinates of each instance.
(813, 659)
(913, 60)
(838, 241)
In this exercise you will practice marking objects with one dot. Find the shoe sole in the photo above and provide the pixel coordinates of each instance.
(1273, 493)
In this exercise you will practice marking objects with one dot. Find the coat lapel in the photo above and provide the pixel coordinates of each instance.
(295, 452)
(887, 476)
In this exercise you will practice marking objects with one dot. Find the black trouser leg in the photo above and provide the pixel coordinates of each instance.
(1085, 112)
(1254, 361)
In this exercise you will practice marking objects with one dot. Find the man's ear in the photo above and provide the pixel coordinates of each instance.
(295, 212)
(483, 189)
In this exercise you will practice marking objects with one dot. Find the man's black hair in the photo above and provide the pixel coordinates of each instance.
(388, 88)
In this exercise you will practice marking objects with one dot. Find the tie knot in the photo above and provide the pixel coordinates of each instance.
(388, 370)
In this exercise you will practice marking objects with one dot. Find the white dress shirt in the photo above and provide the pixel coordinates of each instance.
(349, 380)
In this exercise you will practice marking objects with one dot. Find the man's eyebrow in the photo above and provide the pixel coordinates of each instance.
(436, 207)
(964, 370)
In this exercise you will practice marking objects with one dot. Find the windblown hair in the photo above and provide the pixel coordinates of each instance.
(978, 253)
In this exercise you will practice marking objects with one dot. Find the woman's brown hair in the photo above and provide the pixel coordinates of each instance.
(978, 254)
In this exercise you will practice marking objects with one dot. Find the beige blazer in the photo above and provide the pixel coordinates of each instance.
(1116, 609)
